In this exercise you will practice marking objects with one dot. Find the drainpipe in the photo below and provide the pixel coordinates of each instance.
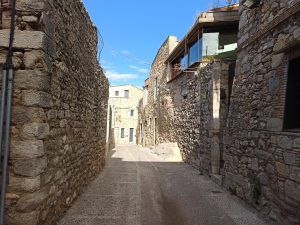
(7, 88)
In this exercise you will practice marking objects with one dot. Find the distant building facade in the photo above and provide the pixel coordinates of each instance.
(123, 111)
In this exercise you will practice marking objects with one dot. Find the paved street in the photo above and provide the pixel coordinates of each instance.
(144, 187)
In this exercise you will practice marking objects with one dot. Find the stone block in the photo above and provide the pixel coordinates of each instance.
(284, 142)
(296, 33)
(277, 60)
(263, 178)
(36, 5)
(289, 158)
(296, 143)
(273, 84)
(30, 19)
(27, 149)
(25, 39)
(30, 202)
(29, 167)
(27, 184)
(274, 124)
(292, 189)
(295, 173)
(37, 98)
(22, 115)
(38, 130)
(37, 59)
(254, 164)
(15, 218)
(32, 79)
(282, 169)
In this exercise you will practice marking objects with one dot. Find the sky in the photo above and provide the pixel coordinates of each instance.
(134, 30)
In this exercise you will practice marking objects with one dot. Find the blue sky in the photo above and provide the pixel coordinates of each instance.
(133, 31)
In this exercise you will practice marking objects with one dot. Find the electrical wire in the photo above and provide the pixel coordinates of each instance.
(101, 43)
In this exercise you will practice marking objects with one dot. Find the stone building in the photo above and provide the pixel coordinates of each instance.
(237, 120)
(262, 140)
(59, 108)
(189, 88)
(123, 106)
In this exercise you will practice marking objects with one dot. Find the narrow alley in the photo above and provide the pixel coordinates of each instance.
(153, 187)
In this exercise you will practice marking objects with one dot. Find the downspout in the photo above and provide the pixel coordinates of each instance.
(7, 85)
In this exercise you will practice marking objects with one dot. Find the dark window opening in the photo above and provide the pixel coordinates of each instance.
(126, 93)
(122, 132)
(230, 80)
(292, 103)
(116, 93)
(132, 112)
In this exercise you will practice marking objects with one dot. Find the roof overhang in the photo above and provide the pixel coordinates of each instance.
(210, 19)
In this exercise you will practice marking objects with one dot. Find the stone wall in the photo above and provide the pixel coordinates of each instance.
(59, 108)
(159, 108)
(262, 161)
(200, 113)
(188, 110)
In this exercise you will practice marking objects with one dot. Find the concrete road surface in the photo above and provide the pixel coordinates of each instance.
(142, 186)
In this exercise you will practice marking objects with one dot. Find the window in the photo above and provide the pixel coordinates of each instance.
(122, 132)
(116, 93)
(292, 105)
(132, 112)
(184, 62)
(126, 93)
(195, 52)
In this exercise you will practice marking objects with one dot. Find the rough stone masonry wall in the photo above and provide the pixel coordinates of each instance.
(262, 162)
(194, 97)
(159, 108)
(59, 108)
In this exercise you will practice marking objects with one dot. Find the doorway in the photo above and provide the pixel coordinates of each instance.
(131, 134)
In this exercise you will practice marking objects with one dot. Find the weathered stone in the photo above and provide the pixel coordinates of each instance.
(24, 183)
(273, 84)
(25, 39)
(289, 158)
(292, 189)
(32, 79)
(282, 169)
(274, 124)
(30, 19)
(37, 98)
(277, 60)
(254, 164)
(29, 167)
(295, 174)
(263, 178)
(38, 130)
(23, 218)
(270, 169)
(37, 59)
(284, 142)
(296, 143)
(30, 202)
(21, 115)
(27, 149)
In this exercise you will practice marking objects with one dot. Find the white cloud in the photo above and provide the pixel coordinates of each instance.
(142, 70)
(120, 77)
(125, 52)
